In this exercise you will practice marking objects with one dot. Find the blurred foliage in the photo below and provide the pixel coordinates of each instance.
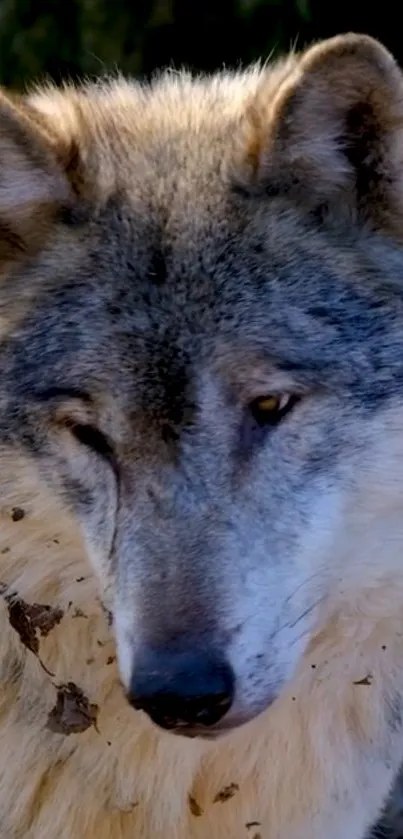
(75, 38)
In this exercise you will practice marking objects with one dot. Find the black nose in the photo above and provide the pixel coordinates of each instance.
(182, 690)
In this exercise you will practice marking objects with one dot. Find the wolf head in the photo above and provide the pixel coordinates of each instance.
(201, 344)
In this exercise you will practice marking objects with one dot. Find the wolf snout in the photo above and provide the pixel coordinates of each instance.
(182, 691)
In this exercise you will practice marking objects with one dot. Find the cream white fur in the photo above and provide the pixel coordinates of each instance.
(316, 764)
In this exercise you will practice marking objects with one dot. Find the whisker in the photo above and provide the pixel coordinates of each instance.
(306, 612)
(300, 586)
(300, 617)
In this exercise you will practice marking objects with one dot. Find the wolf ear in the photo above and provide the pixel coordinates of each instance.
(32, 181)
(333, 133)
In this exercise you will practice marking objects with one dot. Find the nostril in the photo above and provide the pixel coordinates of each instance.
(182, 689)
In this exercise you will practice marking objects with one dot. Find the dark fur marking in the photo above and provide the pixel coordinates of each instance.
(17, 513)
(158, 269)
(73, 712)
(78, 613)
(128, 808)
(80, 494)
(367, 680)
(194, 807)
(107, 613)
(26, 619)
(226, 793)
(93, 439)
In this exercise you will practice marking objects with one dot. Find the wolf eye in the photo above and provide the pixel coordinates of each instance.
(270, 410)
(93, 439)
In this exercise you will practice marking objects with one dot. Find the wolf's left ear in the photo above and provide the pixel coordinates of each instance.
(332, 135)
(32, 181)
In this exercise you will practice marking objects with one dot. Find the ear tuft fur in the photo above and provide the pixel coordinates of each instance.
(333, 132)
(33, 184)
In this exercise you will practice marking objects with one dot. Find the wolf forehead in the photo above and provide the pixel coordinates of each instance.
(157, 224)
(162, 251)
(158, 174)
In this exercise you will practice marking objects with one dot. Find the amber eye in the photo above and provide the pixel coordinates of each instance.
(271, 408)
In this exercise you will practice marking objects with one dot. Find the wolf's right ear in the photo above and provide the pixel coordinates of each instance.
(33, 184)
(331, 135)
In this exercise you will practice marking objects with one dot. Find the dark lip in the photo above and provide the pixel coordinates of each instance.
(205, 734)
(200, 734)
(188, 733)
(216, 732)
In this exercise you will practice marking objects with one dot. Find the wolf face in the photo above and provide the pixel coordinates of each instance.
(201, 339)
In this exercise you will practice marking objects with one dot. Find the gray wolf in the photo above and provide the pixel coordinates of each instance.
(201, 452)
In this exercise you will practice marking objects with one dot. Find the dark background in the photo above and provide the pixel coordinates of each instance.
(75, 38)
